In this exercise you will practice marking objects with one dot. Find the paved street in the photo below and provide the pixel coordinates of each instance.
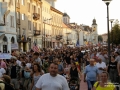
(83, 85)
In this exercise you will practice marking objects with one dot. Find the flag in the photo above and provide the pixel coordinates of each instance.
(35, 48)
(78, 44)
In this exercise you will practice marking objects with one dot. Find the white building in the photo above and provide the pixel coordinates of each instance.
(7, 26)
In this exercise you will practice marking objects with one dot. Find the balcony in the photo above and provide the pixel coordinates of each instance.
(18, 21)
(36, 16)
(36, 32)
(17, 5)
(59, 37)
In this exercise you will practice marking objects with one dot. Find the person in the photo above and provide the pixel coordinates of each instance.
(101, 65)
(103, 84)
(112, 69)
(75, 71)
(52, 80)
(37, 73)
(14, 71)
(91, 71)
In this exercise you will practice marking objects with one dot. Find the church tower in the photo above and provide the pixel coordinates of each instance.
(94, 31)
(52, 2)
(94, 25)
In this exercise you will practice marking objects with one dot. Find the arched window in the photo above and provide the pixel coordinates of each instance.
(12, 40)
(5, 39)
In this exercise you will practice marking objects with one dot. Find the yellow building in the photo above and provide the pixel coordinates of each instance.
(57, 27)
(28, 17)
(66, 34)
(46, 24)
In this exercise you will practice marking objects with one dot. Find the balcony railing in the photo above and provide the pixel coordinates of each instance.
(36, 32)
(36, 16)
(59, 37)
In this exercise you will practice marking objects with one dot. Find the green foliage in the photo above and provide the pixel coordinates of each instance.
(115, 35)
(100, 38)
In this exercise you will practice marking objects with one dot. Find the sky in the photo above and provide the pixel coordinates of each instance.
(84, 11)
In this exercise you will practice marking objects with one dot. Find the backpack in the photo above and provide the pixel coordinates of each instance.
(7, 86)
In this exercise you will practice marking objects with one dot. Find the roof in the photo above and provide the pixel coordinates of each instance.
(66, 15)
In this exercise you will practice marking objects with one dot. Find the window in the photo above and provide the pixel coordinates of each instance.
(23, 2)
(34, 26)
(12, 21)
(38, 10)
(18, 15)
(39, 26)
(34, 9)
(29, 25)
(23, 16)
(28, 7)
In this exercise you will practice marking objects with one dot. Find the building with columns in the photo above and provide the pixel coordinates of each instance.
(8, 33)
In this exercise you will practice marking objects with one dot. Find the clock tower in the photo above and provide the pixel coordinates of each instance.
(52, 2)
(94, 32)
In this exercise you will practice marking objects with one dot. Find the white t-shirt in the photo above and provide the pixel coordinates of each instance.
(18, 63)
(102, 65)
(2, 70)
(28, 65)
(47, 82)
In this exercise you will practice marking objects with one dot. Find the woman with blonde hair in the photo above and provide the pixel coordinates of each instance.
(103, 84)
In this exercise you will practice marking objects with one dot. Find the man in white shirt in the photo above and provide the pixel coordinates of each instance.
(52, 80)
(101, 65)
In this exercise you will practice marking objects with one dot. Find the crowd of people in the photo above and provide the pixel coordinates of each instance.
(55, 69)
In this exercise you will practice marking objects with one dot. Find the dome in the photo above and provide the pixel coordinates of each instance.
(94, 22)
(65, 15)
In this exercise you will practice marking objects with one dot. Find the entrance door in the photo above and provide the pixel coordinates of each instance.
(4, 48)
(24, 47)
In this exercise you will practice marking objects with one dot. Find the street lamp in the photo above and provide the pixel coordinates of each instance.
(44, 30)
(107, 2)
(111, 20)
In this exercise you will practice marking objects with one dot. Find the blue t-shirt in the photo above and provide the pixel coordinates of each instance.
(91, 72)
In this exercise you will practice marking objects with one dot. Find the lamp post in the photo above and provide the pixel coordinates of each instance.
(111, 20)
(107, 2)
(44, 30)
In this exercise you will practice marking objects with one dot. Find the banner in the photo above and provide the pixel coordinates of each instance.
(5, 56)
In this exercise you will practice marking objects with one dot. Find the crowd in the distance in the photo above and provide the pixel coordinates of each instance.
(25, 69)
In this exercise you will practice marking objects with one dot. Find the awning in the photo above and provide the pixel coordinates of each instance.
(2, 35)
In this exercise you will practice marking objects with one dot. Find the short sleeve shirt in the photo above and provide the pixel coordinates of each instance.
(91, 72)
(47, 82)
(108, 86)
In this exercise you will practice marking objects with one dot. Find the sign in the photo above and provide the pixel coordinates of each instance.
(14, 46)
(5, 56)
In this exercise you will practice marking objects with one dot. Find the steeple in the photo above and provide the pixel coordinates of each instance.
(94, 22)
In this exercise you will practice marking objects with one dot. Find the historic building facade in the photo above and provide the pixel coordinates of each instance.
(28, 17)
(57, 28)
(8, 33)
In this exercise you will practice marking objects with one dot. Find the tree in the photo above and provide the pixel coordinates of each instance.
(100, 38)
(115, 34)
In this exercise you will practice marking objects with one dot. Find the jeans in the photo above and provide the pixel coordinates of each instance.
(90, 84)
(113, 75)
